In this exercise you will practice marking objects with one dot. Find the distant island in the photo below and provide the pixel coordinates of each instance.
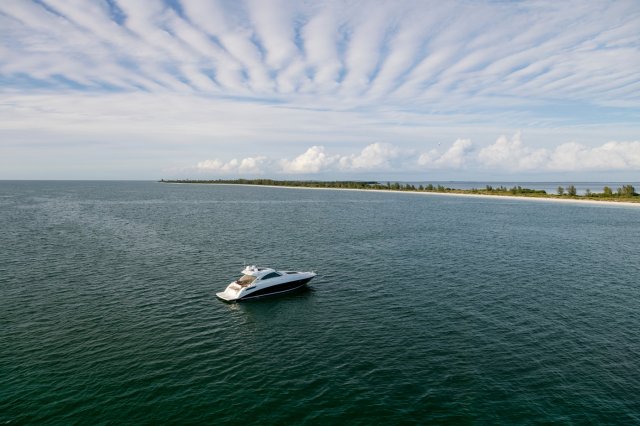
(625, 193)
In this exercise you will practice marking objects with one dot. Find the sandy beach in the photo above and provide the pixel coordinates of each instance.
(447, 194)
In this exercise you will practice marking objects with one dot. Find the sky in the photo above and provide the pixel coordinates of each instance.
(353, 89)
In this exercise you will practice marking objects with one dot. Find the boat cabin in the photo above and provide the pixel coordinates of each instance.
(253, 273)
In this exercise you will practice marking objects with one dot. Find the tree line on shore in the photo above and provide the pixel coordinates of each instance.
(626, 191)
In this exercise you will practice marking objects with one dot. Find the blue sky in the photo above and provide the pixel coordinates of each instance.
(407, 90)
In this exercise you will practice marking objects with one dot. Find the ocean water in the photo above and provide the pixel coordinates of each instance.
(426, 309)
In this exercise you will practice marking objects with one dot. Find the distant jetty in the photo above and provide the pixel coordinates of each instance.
(625, 193)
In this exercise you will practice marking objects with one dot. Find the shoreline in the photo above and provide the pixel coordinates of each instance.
(446, 194)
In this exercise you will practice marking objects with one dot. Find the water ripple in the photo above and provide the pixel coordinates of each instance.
(425, 310)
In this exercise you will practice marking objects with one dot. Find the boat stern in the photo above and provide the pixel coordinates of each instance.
(231, 293)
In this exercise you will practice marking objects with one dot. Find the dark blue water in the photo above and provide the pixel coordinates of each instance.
(427, 309)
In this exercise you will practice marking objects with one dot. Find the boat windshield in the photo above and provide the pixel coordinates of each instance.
(246, 280)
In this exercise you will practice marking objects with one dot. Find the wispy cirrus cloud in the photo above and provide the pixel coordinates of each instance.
(292, 75)
(403, 50)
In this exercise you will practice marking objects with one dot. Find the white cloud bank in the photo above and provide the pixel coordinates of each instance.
(610, 156)
(377, 156)
(374, 157)
(505, 155)
(250, 165)
(513, 155)
(312, 160)
(456, 157)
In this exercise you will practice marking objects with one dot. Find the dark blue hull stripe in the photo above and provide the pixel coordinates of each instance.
(280, 288)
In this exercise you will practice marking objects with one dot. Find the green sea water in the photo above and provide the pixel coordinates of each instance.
(426, 309)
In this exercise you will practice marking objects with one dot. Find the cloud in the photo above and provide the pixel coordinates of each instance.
(609, 156)
(402, 51)
(375, 156)
(288, 75)
(513, 155)
(455, 157)
(249, 165)
(313, 160)
(509, 155)
(321, 36)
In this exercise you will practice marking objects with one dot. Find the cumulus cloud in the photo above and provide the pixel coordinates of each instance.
(609, 156)
(312, 160)
(375, 156)
(504, 155)
(249, 165)
(456, 157)
(513, 155)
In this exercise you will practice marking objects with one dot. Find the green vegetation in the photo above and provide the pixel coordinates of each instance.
(299, 183)
(625, 193)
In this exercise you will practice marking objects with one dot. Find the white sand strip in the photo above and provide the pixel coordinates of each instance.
(611, 203)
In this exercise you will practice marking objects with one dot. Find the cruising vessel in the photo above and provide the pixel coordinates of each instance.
(259, 282)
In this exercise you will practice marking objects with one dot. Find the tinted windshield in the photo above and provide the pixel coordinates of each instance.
(270, 275)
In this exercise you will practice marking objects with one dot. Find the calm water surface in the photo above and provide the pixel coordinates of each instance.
(427, 309)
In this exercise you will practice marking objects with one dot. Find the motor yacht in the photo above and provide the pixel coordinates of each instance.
(259, 282)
